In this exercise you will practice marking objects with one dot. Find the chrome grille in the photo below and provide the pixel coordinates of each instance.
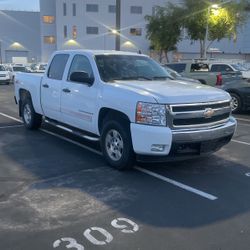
(188, 116)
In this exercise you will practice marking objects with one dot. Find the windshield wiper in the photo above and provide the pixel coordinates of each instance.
(133, 78)
(161, 77)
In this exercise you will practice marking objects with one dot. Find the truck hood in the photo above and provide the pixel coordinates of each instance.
(174, 91)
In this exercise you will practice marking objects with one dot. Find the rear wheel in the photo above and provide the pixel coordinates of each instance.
(31, 119)
(236, 103)
(116, 144)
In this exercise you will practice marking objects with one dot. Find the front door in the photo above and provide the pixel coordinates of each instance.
(78, 100)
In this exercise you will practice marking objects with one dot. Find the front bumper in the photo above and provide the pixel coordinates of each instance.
(180, 143)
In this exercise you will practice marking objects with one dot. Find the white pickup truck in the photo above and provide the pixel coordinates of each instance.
(129, 103)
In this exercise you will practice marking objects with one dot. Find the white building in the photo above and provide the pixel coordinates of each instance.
(88, 24)
(68, 24)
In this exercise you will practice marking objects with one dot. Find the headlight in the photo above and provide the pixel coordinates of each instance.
(151, 114)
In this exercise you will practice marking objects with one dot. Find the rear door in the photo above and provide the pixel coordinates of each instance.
(79, 100)
(51, 87)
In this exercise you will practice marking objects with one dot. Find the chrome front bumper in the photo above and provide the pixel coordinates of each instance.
(200, 135)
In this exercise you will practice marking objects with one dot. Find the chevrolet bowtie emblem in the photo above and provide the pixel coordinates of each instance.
(208, 113)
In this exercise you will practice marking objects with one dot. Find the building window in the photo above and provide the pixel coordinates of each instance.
(92, 30)
(136, 10)
(112, 8)
(49, 39)
(64, 9)
(48, 19)
(92, 7)
(74, 32)
(74, 9)
(136, 31)
(65, 31)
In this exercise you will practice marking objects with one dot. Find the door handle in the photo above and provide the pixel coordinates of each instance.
(46, 85)
(66, 90)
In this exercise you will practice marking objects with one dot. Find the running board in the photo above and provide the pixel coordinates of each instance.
(74, 132)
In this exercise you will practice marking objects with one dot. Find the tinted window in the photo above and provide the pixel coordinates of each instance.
(92, 8)
(2, 68)
(112, 8)
(221, 68)
(92, 30)
(19, 69)
(136, 10)
(81, 63)
(198, 67)
(178, 67)
(126, 67)
(57, 67)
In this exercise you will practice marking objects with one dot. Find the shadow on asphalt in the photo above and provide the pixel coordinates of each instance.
(65, 184)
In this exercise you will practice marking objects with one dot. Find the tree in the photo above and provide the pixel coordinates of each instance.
(222, 22)
(164, 29)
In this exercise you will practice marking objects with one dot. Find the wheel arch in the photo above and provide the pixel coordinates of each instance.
(113, 114)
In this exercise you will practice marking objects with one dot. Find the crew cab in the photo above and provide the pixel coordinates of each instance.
(128, 103)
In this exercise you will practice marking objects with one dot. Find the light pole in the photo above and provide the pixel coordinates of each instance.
(214, 6)
(1, 59)
(118, 25)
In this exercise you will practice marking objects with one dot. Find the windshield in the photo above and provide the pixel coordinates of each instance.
(239, 67)
(129, 67)
(2, 68)
(19, 69)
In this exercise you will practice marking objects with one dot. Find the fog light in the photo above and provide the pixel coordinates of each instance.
(158, 148)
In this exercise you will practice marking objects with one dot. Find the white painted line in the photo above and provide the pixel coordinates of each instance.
(241, 142)
(11, 117)
(242, 119)
(11, 126)
(247, 174)
(243, 124)
(163, 178)
(71, 141)
(178, 184)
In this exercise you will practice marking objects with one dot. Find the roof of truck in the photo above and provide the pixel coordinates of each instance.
(98, 52)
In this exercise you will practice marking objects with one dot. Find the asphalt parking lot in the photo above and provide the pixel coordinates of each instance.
(56, 192)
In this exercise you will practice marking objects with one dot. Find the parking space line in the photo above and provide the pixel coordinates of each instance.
(242, 119)
(10, 117)
(243, 124)
(71, 141)
(178, 184)
(11, 126)
(241, 142)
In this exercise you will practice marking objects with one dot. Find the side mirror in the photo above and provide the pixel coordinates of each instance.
(81, 77)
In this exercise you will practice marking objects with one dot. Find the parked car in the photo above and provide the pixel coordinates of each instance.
(202, 72)
(5, 76)
(230, 67)
(240, 93)
(176, 76)
(128, 103)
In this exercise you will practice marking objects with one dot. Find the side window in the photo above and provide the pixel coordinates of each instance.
(81, 63)
(57, 66)
(179, 67)
(199, 67)
(221, 68)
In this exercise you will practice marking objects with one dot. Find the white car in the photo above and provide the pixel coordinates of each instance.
(128, 102)
(5, 76)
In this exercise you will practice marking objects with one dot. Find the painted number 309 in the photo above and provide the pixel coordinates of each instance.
(124, 225)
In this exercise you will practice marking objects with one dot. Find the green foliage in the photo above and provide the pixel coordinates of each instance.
(164, 28)
(222, 22)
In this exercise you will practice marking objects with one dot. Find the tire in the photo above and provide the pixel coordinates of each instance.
(236, 103)
(116, 144)
(31, 119)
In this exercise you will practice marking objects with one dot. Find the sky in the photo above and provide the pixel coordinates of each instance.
(19, 5)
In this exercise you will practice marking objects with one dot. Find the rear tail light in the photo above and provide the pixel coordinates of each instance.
(219, 80)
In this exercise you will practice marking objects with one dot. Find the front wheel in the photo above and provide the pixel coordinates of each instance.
(31, 119)
(116, 145)
(236, 103)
